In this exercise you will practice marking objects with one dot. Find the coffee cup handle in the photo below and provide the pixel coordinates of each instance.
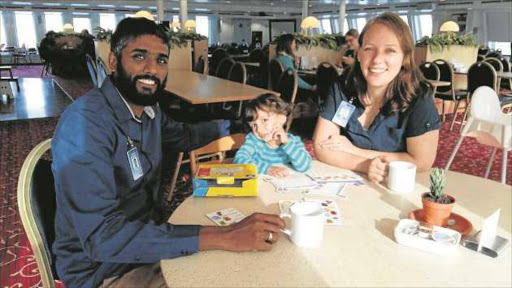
(286, 231)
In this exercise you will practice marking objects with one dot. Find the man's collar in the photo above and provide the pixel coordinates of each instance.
(121, 108)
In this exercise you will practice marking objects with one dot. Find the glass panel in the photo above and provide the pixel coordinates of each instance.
(345, 27)
(406, 20)
(25, 29)
(326, 25)
(425, 25)
(202, 25)
(108, 21)
(504, 47)
(82, 24)
(53, 21)
(360, 23)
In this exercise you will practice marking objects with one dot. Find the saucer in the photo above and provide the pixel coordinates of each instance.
(455, 222)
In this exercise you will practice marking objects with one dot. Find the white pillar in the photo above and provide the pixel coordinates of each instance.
(304, 9)
(342, 15)
(183, 13)
(160, 10)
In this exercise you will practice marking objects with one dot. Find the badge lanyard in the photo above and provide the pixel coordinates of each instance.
(134, 159)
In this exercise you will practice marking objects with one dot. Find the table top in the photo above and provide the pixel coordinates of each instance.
(505, 75)
(438, 83)
(199, 88)
(361, 252)
(252, 64)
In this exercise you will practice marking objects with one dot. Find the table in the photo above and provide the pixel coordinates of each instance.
(362, 252)
(436, 83)
(503, 75)
(252, 64)
(197, 88)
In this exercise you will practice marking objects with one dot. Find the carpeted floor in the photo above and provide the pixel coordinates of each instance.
(17, 138)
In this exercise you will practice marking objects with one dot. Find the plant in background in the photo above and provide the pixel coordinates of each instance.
(328, 41)
(437, 42)
(180, 38)
(103, 34)
(437, 184)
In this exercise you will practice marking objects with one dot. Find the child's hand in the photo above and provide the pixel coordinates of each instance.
(278, 171)
(279, 136)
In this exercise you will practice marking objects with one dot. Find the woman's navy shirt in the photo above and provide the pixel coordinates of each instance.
(387, 133)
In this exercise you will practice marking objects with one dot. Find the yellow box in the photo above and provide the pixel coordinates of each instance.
(225, 180)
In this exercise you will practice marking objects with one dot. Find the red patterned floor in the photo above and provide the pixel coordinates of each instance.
(17, 266)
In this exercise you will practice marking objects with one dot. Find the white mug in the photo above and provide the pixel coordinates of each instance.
(307, 224)
(402, 176)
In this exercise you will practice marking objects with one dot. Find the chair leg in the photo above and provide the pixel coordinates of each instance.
(457, 103)
(442, 112)
(175, 176)
(468, 103)
(504, 166)
(457, 146)
(489, 163)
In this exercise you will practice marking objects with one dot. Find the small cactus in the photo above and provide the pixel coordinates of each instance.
(437, 184)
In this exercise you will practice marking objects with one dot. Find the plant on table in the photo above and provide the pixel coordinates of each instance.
(437, 205)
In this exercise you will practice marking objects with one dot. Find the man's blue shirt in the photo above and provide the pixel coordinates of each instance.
(105, 220)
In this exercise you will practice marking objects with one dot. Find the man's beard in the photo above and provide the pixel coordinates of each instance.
(128, 87)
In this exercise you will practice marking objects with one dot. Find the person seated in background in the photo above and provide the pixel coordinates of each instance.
(268, 145)
(352, 37)
(385, 112)
(107, 159)
(285, 50)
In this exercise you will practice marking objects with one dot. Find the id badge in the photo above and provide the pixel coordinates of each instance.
(135, 166)
(343, 113)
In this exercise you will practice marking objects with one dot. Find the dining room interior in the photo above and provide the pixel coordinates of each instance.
(225, 53)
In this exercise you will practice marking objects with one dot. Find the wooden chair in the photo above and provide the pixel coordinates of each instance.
(216, 148)
(448, 93)
(276, 70)
(288, 86)
(224, 67)
(36, 205)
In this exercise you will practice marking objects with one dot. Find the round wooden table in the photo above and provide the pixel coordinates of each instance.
(361, 252)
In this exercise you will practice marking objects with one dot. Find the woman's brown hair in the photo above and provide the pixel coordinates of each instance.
(284, 44)
(407, 84)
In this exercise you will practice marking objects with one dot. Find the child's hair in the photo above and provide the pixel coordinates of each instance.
(266, 102)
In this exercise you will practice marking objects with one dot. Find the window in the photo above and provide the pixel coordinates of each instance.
(108, 21)
(25, 29)
(406, 20)
(360, 22)
(326, 25)
(202, 25)
(504, 47)
(336, 26)
(82, 23)
(3, 39)
(422, 26)
(53, 21)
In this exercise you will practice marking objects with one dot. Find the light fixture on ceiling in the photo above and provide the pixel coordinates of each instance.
(449, 26)
(309, 23)
(190, 25)
(144, 14)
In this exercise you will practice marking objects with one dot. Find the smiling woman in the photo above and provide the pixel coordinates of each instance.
(383, 110)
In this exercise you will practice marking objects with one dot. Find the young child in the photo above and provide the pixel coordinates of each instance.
(268, 144)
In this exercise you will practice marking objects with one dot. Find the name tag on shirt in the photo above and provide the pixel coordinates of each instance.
(135, 166)
(343, 113)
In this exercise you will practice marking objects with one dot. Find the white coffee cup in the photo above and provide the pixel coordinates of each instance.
(402, 176)
(307, 224)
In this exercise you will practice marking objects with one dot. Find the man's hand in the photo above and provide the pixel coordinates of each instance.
(378, 169)
(338, 143)
(249, 234)
(278, 171)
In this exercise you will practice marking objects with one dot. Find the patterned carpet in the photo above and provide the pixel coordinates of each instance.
(17, 138)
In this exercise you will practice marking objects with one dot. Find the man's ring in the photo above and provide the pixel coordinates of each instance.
(269, 238)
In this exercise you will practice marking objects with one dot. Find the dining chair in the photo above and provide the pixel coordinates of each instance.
(237, 73)
(431, 72)
(507, 67)
(91, 67)
(36, 205)
(217, 56)
(276, 70)
(264, 72)
(498, 66)
(489, 126)
(448, 93)
(256, 55)
(224, 67)
(480, 58)
(288, 86)
(200, 65)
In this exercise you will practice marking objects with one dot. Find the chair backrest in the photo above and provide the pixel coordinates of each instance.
(37, 204)
(506, 64)
(217, 56)
(264, 71)
(430, 71)
(326, 75)
(485, 104)
(200, 65)
(224, 144)
(480, 58)
(288, 85)
(481, 74)
(276, 69)
(256, 55)
(445, 74)
(224, 67)
(496, 63)
(238, 73)
(91, 67)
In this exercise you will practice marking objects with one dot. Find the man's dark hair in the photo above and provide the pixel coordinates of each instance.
(131, 28)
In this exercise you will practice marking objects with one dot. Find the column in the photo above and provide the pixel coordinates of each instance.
(183, 13)
(304, 9)
(160, 10)
(95, 22)
(342, 15)
(40, 26)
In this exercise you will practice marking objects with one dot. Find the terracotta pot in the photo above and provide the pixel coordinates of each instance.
(437, 213)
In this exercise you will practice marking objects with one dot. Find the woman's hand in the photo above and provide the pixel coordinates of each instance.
(378, 169)
(338, 143)
(278, 171)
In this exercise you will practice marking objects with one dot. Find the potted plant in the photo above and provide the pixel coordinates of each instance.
(437, 205)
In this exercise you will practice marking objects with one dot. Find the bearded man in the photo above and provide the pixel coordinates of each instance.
(107, 154)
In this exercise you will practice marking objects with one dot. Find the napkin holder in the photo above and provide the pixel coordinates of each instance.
(494, 249)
